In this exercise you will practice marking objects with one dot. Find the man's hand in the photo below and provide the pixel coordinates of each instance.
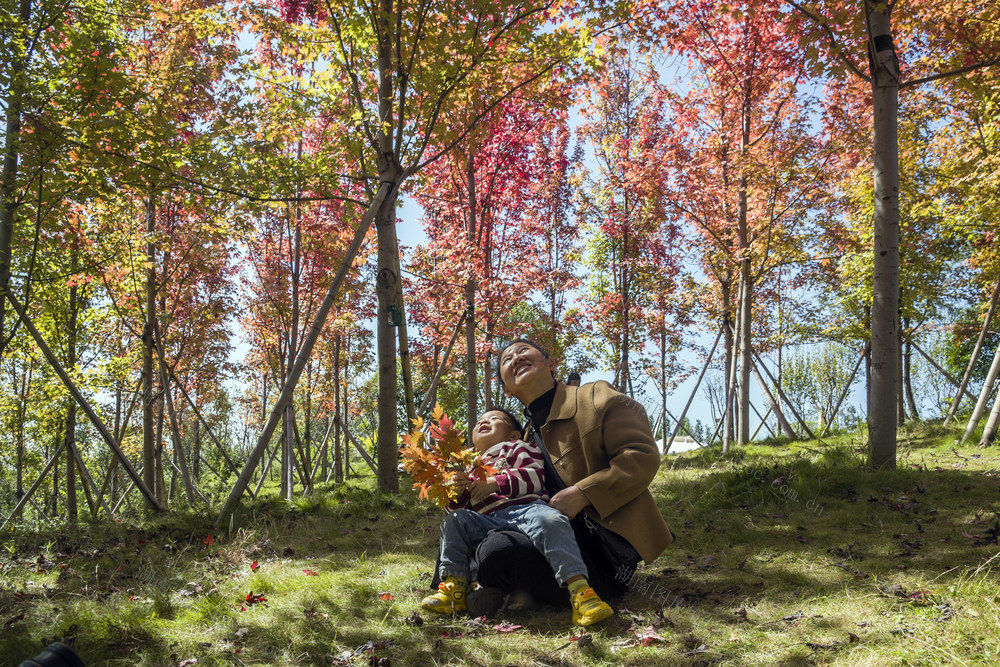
(482, 488)
(570, 501)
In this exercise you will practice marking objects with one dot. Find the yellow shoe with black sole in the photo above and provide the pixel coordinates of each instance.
(450, 597)
(588, 608)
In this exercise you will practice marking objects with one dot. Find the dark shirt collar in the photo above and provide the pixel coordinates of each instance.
(538, 410)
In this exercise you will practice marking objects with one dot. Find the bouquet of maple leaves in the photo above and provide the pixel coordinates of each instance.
(433, 458)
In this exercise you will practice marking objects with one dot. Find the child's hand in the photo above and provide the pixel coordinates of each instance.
(461, 481)
(481, 488)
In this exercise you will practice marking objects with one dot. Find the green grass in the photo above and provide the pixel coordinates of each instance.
(786, 554)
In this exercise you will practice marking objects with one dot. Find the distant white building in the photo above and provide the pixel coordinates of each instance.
(682, 443)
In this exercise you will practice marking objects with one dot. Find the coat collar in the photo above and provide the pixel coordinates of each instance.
(564, 402)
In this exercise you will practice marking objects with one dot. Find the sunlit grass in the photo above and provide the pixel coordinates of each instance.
(786, 554)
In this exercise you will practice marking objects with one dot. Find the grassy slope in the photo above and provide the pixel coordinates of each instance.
(789, 554)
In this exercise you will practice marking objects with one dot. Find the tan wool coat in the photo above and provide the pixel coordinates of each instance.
(600, 440)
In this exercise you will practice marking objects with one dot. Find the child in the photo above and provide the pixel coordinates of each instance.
(513, 499)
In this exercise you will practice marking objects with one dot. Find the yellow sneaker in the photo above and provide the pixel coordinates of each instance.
(449, 598)
(588, 608)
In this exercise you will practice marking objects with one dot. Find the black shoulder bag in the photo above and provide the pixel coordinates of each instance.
(619, 554)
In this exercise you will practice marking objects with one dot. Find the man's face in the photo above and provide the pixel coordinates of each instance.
(525, 371)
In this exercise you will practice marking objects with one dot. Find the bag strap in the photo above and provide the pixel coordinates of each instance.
(551, 476)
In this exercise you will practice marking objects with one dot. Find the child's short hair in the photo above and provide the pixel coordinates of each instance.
(512, 420)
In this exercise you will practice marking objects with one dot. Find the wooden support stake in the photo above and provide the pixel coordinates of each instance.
(197, 412)
(34, 487)
(773, 404)
(174, 427)
(763, 422)
(847, 388)
(90, 412)
(441, 366)
(784, 398)
(88, 480)
(708, 361)
(361, 450)
(951, 378)
(285, 397)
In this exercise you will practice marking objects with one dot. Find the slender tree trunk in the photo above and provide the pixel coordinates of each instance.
(984, 395)
(196, 463)
(388, 430)
(60, 437)
(488, 372)
(12, 147)
(990, 430)
(71, 340)
(148, 395)
(22, 406)
(161, 489)
(405, 359)
(179, 458)
(471, 372)
(975, 353)
(746, 287)
(900, 402)
(663, 372)
(730, 343)
(884, 67)
(907, 374)
(338, 463)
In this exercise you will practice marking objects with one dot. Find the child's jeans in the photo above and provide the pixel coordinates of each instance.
(547, 528)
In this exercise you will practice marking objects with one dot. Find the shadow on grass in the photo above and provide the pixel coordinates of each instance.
(793, 556)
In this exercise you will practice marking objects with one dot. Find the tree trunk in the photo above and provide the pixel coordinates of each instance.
(12, 147)
(730, 343)
(991, 424)
(71, 340)
(884, 67)
(22, 406)
(746, 287)
(388, 430)
(405, 360)
(975, 354)
(900, 402)
(907, 374)
(338, 463)
(179, 457)
(471, 372)
(488, 372)
(196, 462)
(161, 489)
(663, 374)
(984, 395)
(148, 396)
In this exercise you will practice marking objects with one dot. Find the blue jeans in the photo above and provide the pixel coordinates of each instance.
(547, 528)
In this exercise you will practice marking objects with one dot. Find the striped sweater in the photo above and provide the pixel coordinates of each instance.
(520, 476)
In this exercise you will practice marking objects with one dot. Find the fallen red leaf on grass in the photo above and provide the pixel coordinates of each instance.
(255, 598)
(507, 627)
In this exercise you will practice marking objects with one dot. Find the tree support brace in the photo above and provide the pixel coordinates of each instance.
(91, 414)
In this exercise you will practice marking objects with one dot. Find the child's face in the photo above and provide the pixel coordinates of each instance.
(493, 427)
